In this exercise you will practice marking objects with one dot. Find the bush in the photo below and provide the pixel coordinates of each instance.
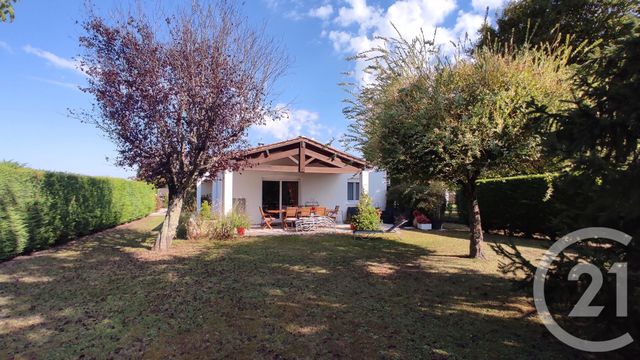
(39, 208)
(522, 204)
(367, 217)
(240, 220)
(426, 197)
(222, 228)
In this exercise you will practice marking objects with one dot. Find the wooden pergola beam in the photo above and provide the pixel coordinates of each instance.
(331, 170)
(335, 161)
(302, 157)
(281, 168)
(263, 158)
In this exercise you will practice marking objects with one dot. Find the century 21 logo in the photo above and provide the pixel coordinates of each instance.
(583, 307)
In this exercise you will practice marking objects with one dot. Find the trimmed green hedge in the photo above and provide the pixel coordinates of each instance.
(520, 204)
(39, 208)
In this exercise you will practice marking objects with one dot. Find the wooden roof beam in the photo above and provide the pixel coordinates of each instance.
(333, 161)
(263, 158)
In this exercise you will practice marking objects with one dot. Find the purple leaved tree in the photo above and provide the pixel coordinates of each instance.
(178, 96)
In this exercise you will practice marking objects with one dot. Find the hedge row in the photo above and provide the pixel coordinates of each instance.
(39, 208)
(521, 204)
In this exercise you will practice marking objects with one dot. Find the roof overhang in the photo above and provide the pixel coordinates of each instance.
(303, 155)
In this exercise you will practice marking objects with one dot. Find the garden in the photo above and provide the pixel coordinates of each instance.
(406, 295)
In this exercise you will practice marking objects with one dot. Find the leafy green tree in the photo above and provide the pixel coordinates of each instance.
(537, 22)
(600, 134)
(6, 10)
(424, 117)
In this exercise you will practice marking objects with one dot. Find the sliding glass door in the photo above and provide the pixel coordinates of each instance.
(289, 193)
(279, 194)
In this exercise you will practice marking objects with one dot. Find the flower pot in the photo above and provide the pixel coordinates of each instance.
(424, 226)
(353, 227)
(240, 231)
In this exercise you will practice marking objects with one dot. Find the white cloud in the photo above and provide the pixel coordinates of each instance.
(468, 23)
(360, 13)
(322, 12)
(54, 59)
(6, 47)
(358, 25)
(341, 40)
(294, 122)
(481, 5)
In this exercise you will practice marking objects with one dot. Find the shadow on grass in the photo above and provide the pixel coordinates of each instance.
(489, 238)
(274, 297)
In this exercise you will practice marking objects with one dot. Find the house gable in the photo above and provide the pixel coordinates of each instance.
(303, 155)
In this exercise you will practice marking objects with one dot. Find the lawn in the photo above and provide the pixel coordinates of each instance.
(405, 296)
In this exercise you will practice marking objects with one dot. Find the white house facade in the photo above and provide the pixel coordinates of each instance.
(297, 172)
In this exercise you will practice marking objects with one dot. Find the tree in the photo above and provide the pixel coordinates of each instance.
(535, 22)
(424, 117)
(177, 97)
(6, 10)
(600, 133)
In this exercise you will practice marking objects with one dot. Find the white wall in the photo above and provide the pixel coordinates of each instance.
(378, 188)
(326, 189)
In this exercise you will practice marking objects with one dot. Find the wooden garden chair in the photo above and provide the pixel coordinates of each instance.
(267, 219)
(334, 213)
(304, 212)
(321, 211)
(290, 216)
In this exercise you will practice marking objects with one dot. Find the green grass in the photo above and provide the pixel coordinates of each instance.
(406, 296)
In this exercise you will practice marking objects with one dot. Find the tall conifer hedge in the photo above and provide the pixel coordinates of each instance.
(39, 208)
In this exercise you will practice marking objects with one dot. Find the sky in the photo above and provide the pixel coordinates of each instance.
(40, 79)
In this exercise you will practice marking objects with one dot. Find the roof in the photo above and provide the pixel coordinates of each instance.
(316, 157)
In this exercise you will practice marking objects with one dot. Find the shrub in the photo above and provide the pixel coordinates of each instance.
(367, 217)
(240, 220)
(522, 204)
(222, 228)
(39, 208)
(205, 211)
(426, 197)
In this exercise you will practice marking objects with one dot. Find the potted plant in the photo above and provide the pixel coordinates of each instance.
(241, 222)
(420, 221)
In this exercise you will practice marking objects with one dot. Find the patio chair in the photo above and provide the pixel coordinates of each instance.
(304, 212)
(290, 216)
(334, 213)
(361, 233)
(267, 219)
(321, 211)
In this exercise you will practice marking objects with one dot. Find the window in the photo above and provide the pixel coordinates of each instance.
(353, 191)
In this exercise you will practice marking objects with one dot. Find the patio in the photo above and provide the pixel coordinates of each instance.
(340, 229)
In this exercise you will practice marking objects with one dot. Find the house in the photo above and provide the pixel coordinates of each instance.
(295, 172)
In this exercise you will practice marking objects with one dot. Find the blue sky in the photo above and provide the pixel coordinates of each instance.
(39, 78)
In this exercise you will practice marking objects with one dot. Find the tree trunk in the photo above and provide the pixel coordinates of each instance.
(475, 223)
(170, 224)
